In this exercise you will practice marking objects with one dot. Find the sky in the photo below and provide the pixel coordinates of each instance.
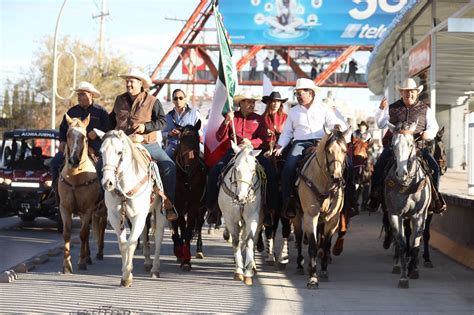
(139, 29)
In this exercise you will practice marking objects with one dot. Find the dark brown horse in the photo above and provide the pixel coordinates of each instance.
(79, 192)
(191, 176)
(362, 169)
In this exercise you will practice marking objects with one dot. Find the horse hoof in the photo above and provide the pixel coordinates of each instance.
(99, 256)
(428, 264)
(155, 275)
(67, 270)
(291, 238)
(210, 231)
(284, 260)
(281, 266)
(179, 260)
(313, 283)
(248, 281)
(89, 260)
(199, 255)
(403, 284)
(147, 267)
(82, 266)
(414, 274)
(396, 270)
(126, 283)
(226, 235)
(238, 277)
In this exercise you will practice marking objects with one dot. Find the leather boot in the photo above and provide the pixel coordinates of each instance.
(439, 203)
(171, 213)
(289, 211)
(213, 215)
(267, 217)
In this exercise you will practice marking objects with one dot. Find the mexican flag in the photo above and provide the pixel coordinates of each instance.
(222, 103)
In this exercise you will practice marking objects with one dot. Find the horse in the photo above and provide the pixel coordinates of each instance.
(407, 194)
(191, 174)
(320, 188)
(128, 180)
(362, 169)
(78, 178)
(240, 198)
(438, 150)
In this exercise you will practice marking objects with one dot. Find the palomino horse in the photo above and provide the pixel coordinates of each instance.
(407, 193)
(78, 178)
(128, 181)
(240, 201)
(321, 193)
(191, 176)
(362, 169)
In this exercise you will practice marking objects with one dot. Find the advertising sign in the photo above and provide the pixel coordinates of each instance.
(308, 22)
(420, 57)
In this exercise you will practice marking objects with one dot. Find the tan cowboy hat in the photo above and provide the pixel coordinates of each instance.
(88, 87)
(306, 84)
(244, 96)
(409, 84)
(137, 74)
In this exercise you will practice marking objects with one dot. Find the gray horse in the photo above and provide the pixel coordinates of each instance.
(407, 194)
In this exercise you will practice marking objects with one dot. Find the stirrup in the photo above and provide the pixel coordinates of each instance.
(171, 213)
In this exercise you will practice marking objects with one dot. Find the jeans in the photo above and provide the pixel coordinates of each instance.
(166, 166)
(288, 175)
(171, 149)
(212, 190)
(58, 160)
(377, 177)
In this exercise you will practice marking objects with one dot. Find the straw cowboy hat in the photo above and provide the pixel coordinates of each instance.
(409, 84)
(306, 84)
(137, 74)
(88, 87)
(274, 96)
(244, 96)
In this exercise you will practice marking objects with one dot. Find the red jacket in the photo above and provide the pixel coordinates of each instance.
(252, 127)
(275, 125)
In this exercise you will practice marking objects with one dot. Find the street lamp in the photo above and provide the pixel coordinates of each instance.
(55, 75)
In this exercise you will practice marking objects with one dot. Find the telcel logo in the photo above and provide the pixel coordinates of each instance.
(363, 31)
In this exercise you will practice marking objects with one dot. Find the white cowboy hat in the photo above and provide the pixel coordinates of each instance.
(88, 87)
(306, 84)
(244, 96)
(137, 74)
(410, 84)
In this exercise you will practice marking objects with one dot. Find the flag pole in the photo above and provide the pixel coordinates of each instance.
(229, 100)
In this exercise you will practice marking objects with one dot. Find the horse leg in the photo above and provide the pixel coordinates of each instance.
(67, 228)
(365, 195)
(234, 231)
(160, 223)
(138, 225)
(339, 245)
(198, 231)
(396, 224)
(146, 244)
(85, 257)
(299, 244)
(311, 229)
(250, 232)
(99, 225)
(188, 236)
(329, 229)
(177, 241)
(418, 227)
(269, 245)
(426, 242)
(407, 227)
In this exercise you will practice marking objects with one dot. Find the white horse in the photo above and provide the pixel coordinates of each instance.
(240, 201)
(128, 183)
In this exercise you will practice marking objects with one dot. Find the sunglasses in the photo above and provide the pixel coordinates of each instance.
(301, 92)
(178, 98)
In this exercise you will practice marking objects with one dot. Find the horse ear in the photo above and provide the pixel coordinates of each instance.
(391, 126)
(235, 147)
(255, 153)
(197, 125)
(441, 133)
(326, 130)
(99, 133)
(87, 120)
(68, 119)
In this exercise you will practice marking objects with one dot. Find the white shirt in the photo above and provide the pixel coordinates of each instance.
(382, 117)
(305, 124)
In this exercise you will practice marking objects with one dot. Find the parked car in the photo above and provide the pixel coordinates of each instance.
(25, 178)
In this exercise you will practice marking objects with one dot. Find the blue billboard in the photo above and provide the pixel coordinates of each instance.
(308, 22)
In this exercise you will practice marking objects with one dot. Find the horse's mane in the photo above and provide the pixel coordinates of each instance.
(138, 159)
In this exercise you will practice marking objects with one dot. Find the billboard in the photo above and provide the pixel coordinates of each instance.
(308, 22)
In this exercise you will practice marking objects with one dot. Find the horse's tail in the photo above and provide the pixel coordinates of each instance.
(96, 227)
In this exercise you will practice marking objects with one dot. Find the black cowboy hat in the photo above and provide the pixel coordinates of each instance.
(363, 122)
(274, 96)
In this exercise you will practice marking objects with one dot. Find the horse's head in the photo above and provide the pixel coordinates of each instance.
(188, 149)
(76, 140)
(404, 149)
(439, 152)
(244, 171)
(334, 147)
(360, 159)
(115, 153)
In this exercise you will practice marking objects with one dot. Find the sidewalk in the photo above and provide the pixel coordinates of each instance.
(454, 183)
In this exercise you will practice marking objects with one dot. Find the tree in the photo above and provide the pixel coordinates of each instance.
(6, 110)
(108, 83)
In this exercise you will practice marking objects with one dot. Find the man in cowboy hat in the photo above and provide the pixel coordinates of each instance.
(250, 128)
(140, 115)
(303, 128)
(362, 132)
(407, 109)
(99, 118)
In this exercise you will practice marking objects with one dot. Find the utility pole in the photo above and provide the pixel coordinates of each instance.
(102, 16)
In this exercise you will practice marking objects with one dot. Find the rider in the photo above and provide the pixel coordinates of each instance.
(140, 115)
(407, 109)
(362, 133)
(181, 115)
(304, 127)
(250, 128)
(99, 118)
